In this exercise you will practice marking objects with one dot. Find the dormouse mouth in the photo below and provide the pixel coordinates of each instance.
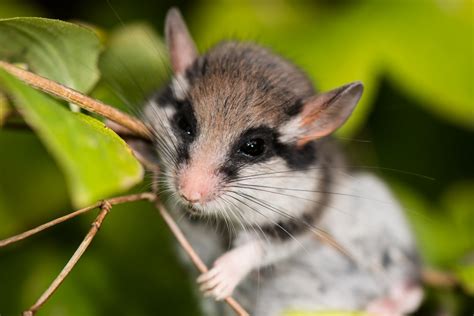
(192, 210)
(201, 202)
(190, 206)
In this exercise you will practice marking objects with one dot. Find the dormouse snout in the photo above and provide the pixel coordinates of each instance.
(198, 183)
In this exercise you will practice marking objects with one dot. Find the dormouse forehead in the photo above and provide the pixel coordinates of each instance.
(234, 103)
(244, 85)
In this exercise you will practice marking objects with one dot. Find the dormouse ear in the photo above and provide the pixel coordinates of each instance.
(181, 46)
(326, 112)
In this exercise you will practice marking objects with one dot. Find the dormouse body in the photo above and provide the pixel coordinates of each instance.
(243, 144)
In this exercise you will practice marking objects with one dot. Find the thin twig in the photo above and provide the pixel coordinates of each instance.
(437, 278)
(331, 242)
(134, 126)
(28, 233)
(122, 131)
(73, 96)
(193, 255)
(105, 208)
(112, 201)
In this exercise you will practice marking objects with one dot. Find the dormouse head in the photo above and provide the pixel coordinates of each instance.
(239, 124)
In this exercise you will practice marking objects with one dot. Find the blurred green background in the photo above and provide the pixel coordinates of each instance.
(416, 59)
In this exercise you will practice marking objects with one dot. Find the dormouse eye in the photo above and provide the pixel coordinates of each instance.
(253, 148)
(185, 126)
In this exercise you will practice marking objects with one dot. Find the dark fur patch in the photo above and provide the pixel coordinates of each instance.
(182, 153)
(199, 69)
(184, 112)
(295, 157)
(294, 109)
(237, 160)
(284, 230)
(165, 97)
(264, 132)
(386, 258)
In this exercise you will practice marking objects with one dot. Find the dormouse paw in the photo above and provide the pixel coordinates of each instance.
(384, 307)
(220, 281)
(403, 299)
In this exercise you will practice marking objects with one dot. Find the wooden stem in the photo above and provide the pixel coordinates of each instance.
(112, 201)
(105, 207)
(73, 96)
(134, 126)
(239, 310)
(104, 210)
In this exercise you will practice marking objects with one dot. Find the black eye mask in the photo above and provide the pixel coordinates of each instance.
(184, 122)
(257, 145)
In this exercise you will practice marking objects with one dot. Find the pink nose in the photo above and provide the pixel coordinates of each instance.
(197, 185)
(192, 196)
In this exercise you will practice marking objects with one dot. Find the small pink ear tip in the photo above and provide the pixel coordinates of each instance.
(173, 13)
(355, 88)
(356, 85)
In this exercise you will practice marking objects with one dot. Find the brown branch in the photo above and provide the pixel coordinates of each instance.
(123, 131)
(193, 255)
(132, 125)
(28, 233)
(105, 208)
(112, 201)
(437, 278)
(73, 96)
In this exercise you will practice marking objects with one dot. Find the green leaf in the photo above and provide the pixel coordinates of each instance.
(97, 163)
(423, 46)
(444, 236)
(465, 275)
(24, 183)
(459, 203)
(4, 108)
(428, 52)
(333, 47)
(58, 50)
(132, 66)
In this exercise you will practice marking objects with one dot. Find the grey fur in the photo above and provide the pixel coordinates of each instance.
(238, 86)
(368, 221)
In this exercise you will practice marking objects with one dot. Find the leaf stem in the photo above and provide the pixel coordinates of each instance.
(112, 201)
(56, 89)
(193, 255)
(105, 208)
